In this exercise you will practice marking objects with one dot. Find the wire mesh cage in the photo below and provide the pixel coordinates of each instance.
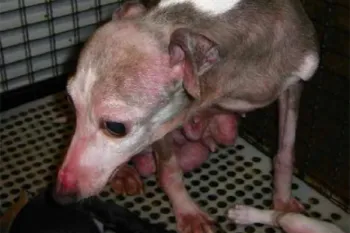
(40, 40)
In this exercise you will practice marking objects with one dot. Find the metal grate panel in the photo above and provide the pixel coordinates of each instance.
(34, 138)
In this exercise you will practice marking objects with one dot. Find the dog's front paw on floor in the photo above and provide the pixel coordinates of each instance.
(127, 181)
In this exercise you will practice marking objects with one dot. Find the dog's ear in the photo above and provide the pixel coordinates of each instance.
(195, 54)
(128, 10)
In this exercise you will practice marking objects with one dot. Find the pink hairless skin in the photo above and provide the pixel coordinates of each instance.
(192, 64)
(192, 143)
(289, 222)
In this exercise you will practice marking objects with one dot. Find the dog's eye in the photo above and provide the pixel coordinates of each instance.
(115, 128)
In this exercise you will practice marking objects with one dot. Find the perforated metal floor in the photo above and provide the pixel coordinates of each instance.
(34, 137)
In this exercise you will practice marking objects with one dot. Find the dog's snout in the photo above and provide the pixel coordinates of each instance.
(65, 190)
(65, 199)
(62, 196)
(67, 182)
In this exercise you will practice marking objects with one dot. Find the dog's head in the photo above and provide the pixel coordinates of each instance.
(128, 85)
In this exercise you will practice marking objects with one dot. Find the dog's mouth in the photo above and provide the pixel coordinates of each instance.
(61, 196)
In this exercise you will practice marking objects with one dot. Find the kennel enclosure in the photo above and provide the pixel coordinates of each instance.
(39, 45)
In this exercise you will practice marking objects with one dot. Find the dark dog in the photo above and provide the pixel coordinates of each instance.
(43, 214)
